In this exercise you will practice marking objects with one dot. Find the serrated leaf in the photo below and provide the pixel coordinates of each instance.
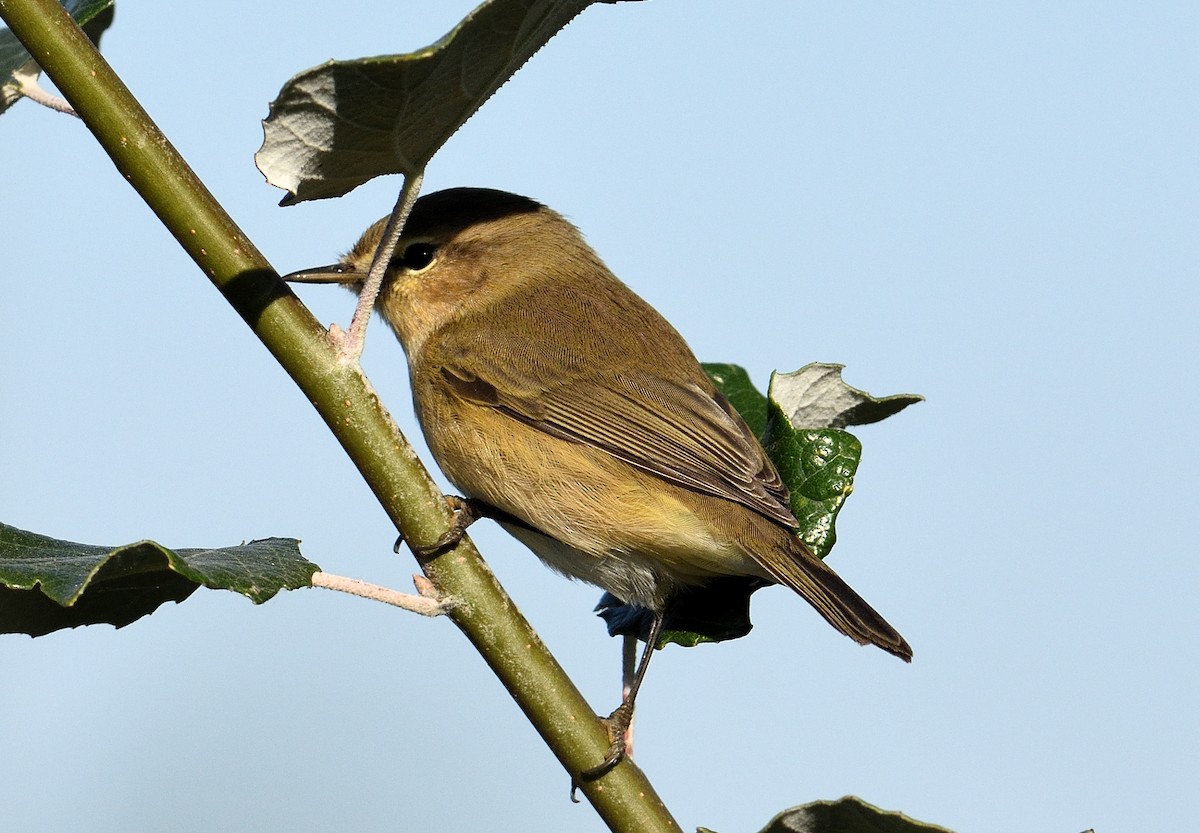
(93, 15)
(815, 396)
(340, 124)
(846, 815)
(733, 381)
(47, 584)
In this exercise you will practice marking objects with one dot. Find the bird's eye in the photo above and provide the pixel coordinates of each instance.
(416, 256)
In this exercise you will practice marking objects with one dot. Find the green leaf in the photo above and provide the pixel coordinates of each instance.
(47, 584)
(340, 124)
(93, 15)
(817, 465)
(815, 396)
(733, 381)
(846, 815)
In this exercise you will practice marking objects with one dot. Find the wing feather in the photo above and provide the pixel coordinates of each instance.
(686, 433)
(549, 358)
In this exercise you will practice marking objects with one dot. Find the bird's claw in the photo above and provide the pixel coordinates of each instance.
(466, 512)
(617, 725)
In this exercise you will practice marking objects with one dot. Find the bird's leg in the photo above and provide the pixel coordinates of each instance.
(618, 722)
(466, 512)
(629, 658)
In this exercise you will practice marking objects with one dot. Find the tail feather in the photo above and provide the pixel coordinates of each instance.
(836, 601)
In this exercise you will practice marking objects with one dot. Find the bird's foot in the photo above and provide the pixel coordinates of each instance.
(466, 512)
(617, 724)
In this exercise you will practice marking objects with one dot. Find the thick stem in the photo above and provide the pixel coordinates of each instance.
(624, 798)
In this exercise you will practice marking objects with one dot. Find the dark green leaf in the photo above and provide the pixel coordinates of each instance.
(846, 815)
(47, 584)
(340, 124)
(817, 465)
(93, 15)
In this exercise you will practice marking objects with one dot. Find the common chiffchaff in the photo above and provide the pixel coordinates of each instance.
(552, 394)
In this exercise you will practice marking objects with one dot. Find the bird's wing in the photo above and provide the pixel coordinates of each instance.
(684, 432)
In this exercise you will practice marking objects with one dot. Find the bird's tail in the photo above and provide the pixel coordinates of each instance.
(835, 600)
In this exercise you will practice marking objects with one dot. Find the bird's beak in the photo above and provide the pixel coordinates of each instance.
(333, 273)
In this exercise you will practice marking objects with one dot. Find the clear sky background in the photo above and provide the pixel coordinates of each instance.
(993, 205)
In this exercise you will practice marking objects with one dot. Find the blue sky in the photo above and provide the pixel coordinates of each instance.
(993, 205)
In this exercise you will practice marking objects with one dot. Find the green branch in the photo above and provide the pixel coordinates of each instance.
(339, 392)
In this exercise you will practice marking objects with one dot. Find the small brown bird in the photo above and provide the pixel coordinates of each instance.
(557, 398)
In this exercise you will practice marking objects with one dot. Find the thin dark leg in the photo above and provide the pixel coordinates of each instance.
(618, 722)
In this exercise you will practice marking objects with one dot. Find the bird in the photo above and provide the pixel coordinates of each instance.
(564, 406)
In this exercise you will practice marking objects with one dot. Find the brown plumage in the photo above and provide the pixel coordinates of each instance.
(548, 390)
